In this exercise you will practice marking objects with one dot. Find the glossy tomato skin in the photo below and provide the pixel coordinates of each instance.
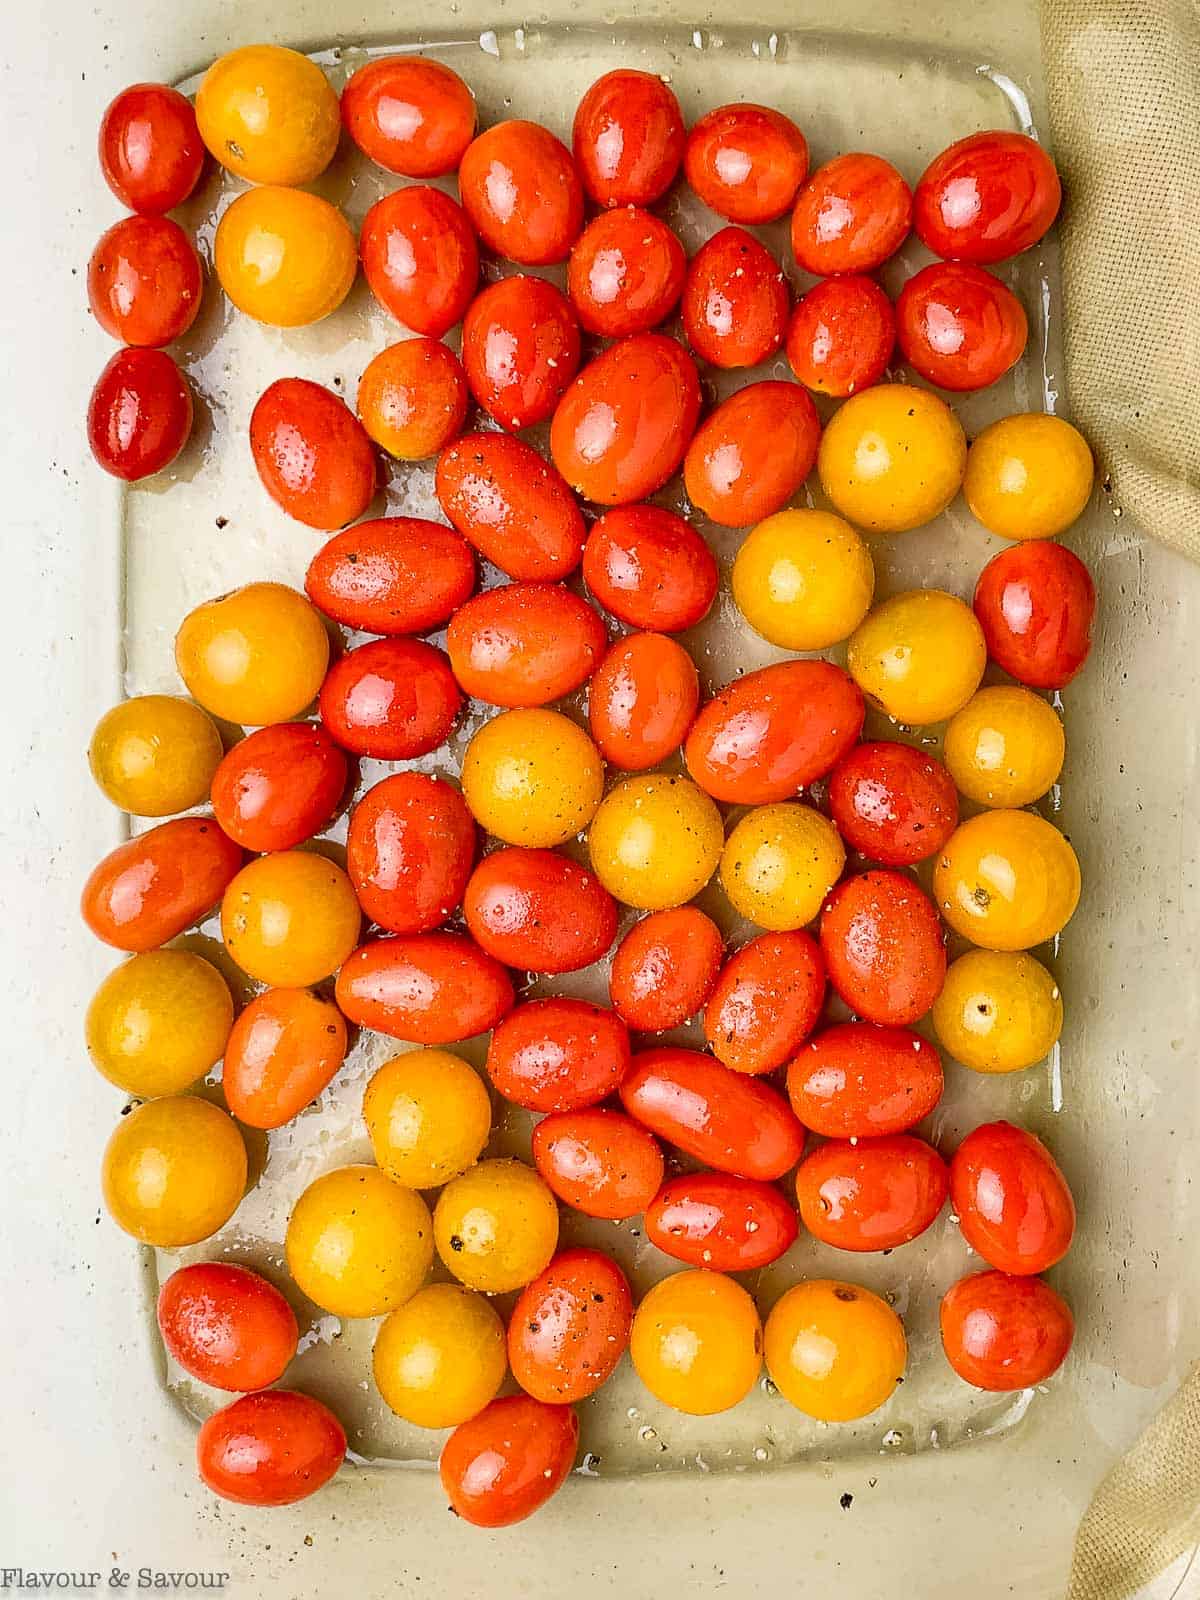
(409, 851)
(665, 969)
(279, 786)
(959, 326)
(766, 1002)
(284, 1050)
(522, 193)
(1001, 1332)
(871, 1194)
(841, 336)
(987, 197)
(751, 455)
(150, 148)
(1014, 1206)
(512, 506)
(392, 575)
(226, 1326)
(524, 644)
(884, 947)
(428, 988)
(764, 736)
(392, 699)
(505, 1463)
(558, 1055)
(139, 415)
(409, 115)
(858, 1080)
(892, 802)
(420, 258)
(570, 1327)
(746, 162)
(539, 911)
(1036, 603)
(145, 281)
(626, 273)
(270, 1449)
(642, 699)
(520, 349)
(601, 1163)
(650, 568)
(413, 398)
(628, 138)
(735, 300)
(312, 454)
(851, 215)
(727, 1224)
(155, 885)
(622, 428)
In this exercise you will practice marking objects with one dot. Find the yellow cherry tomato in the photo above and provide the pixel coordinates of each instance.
(155, 755)
(696, 1342)
(531, 777)
(174, 1171)
(1005, 747)
(284, 257)
(496, 1226)
(892, 457)
(269, 114)
(998, 1011)
(290, 919)
(919, 655)
(440, 1358)
(429, 1116)
(655, 841)
(835, 1350)
(255, 656)
(1029, 476)
(1007, 880)
(159, 1022)
(779, 863)
(803, 579)
(359, 1244)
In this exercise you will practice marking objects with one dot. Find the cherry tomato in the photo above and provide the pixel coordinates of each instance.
(779, 863)
(803, 579)
(665, 968)
(139, 415)
(392, 699)
(392, 575)
(892, 802)
(1007, 880)
(999, 1011)
(558, 1055)
(496, 1226)
(255, 656)
(626, 273)
(1028, 476)
(959, 326)
(268, 114)
(1002, 1332)
(841, 336)
(892, 458)
(440, 1357)
(158, 1022)
(623, 427)
(655, 841)
(650, 568)
(746, 162)
(539, 911)
(150, 148)
(1005, 747)
(154, 755)
(290, 919)
(145, 281)
(749, 457)
(409, 115)
(764, 736)
(412, 398)
(358, 1244)
(834, 1350)
(420, 258)
(884, 947)
(570, 1327)
(857, 1080)
(871, 1194)
(284, 257)
(987, 197)
(279, 786)
(697, 1342)
(174, 1171)
(735, 300)
(409, 851)
(505, 1463)
(628, 138)
(601, 1163)
(727, 1224)
(726, 1119)
(522, 193)
(284, 1050)
(1036, 603)
(532, 777)
(1014, 1205)
(158, 883)
(642, 700)
(428, 988)
(226, 1326)
(919, 656)
(511, 505)
(851, 215)
(270, 1449)
(520, 349)
(429, 1116)
(524, 644)
(312, 454)
(766, 1002)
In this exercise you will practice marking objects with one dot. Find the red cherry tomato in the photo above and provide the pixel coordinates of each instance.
(413, 398)
(626, 273)
(420, 258)
(151, 888)
(841, 336)
(539, 911)
(746, 162)
(1002, 1332)
(520, 349)
(766, 1002)
(558, 1055)
(285, 1049)
(641, 701)
(392, 699)
(623, 426)
(505, 1463)
(851, 215)
(665, 969)
(570, 1327)
(409, 851)
(628, 138)
(873, 1194)
(409, 115)
(428, 988)
(857, 1080)
(511, 505)
(735, 301)
(986, 197)
(226, 1326)
(392, 575)
(524, 644)
(1036, 603)
(279, 786)
(958, 326)
(749, 457)
(764, 736)
(145, 281)
(312, 454)
(1014, 1206)
(601, 1163)
(522, 193)
(270, 1449)
(650, 568)
(884, 947)
(139, 415)
(726, 1119)
(893, 803)
(150, 149)
(727, 1224)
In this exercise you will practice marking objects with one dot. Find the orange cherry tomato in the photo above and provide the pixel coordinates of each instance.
(851, 215)
(764, 736)
(959, 326)
(893, 802)
(570, 1327)
(409, 115)
(746, 162)
(841, 336)
(871, 1194)
(858, 1080)
(650, 568)
(520, 349)
(507, 1461)
(727, 1224)
(155, 885)
(226, 1326)
(726, 1119)
(766, 1002)
(412, 398)
(420, 258)
(749, 457)
(428, 988)
(665, 969)
(312, 454)
(735, 300)
(1036, 603)
(641, 701)
(522, 193)
(884, 947)
(626, 273)
(1014, 1206)
(392, 699)
(601, 1163)
(279, 786)
(558, 1055)
(987, 197)
(270, 1449)
(511, 505)
(1002, 1332)
(622, 428)
(409, 850)
(628, 138)
(392, 575)
(139, 415)
(150, 148)
(524, 644)
(539, 911)
(145, 281)
(285, 1048)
